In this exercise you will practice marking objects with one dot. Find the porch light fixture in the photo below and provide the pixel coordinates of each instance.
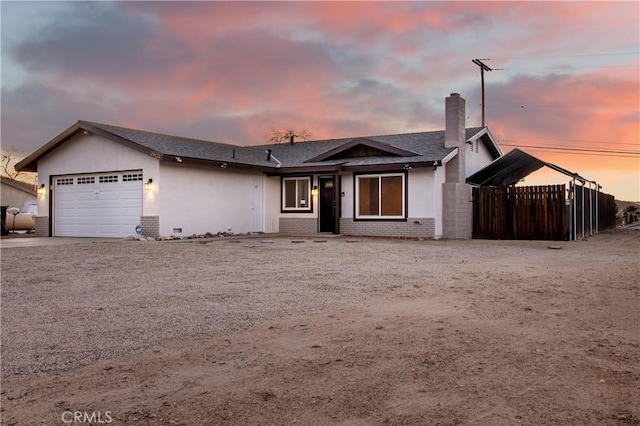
(148, 185)
(314, 191)
(41, 189)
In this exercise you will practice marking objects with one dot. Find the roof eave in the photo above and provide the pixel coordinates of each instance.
(30, 162)
(223, 164)
(393, 166)
(490, 142)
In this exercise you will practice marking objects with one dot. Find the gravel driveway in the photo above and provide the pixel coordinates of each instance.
(70, 305)
(244, 332)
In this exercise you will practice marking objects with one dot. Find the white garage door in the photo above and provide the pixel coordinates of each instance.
(97, 205)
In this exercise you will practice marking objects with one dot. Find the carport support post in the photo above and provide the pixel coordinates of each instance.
(574, 213)
(597, 210)
(590, 210)
(337, 200)
(583, 210)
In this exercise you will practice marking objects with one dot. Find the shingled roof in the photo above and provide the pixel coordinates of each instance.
(409, 148)
(427, 147)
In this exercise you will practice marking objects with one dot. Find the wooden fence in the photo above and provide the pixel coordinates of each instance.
(520, 213)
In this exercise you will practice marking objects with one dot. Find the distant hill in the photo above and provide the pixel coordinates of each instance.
(622, 205)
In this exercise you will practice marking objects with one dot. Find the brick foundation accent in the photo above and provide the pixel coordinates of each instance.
(42, 226)
(150, 225)
(425, 228)
(297, 225)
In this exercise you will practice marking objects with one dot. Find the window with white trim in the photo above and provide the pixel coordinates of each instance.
(380, 196)
(296, 194)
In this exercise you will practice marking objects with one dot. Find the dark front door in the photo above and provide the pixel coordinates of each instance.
(327, 204)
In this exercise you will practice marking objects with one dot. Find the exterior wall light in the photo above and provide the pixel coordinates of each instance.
(314, 191)
(41, 189)
(148, 185)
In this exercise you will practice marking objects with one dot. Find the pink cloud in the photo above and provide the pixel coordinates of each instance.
(593, 111)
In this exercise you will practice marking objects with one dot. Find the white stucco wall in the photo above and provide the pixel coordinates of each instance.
(439, 178)
(272, 204)
(95, 154)
(475, 161)
(14, 197)
(421, 193)
(349, 197)
(205, 199)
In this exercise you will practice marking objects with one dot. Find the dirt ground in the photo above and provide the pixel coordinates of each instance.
(344, 332)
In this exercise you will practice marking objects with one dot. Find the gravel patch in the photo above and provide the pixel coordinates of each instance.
(68, 306)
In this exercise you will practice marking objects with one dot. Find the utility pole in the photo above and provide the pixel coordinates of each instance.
(483, 68)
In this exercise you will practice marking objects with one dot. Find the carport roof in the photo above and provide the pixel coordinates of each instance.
(513, 166)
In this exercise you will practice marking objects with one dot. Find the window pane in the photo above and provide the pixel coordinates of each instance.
(392, 196)
(303, 192)
(290, 193)
(368, 196)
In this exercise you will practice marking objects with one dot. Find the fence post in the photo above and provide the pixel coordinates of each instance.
(597, 207)
(583, 210)
(590, 210)
(574, 219)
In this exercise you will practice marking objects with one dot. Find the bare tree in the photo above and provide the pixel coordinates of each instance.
(10, 157)
(285, 134)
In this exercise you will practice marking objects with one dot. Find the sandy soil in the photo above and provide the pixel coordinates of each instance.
(373, 332)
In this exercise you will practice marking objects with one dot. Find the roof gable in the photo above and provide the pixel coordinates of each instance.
(362, 147)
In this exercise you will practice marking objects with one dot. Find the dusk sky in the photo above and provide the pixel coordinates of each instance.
(568, 88)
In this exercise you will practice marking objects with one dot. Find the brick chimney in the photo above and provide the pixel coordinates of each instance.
(454, 130)
(455, 136)
(456, 194)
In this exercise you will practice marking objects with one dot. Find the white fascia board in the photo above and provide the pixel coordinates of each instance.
(486, 131)
(450, 156)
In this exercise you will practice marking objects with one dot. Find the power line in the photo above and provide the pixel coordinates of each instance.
(583, 153)
(568, 56)
(600, 151)
(576, 140)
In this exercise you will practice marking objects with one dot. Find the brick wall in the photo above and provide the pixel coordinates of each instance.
(150, 225)
(298, 225)
(424, 228)
(42, 226)
(456, 205)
